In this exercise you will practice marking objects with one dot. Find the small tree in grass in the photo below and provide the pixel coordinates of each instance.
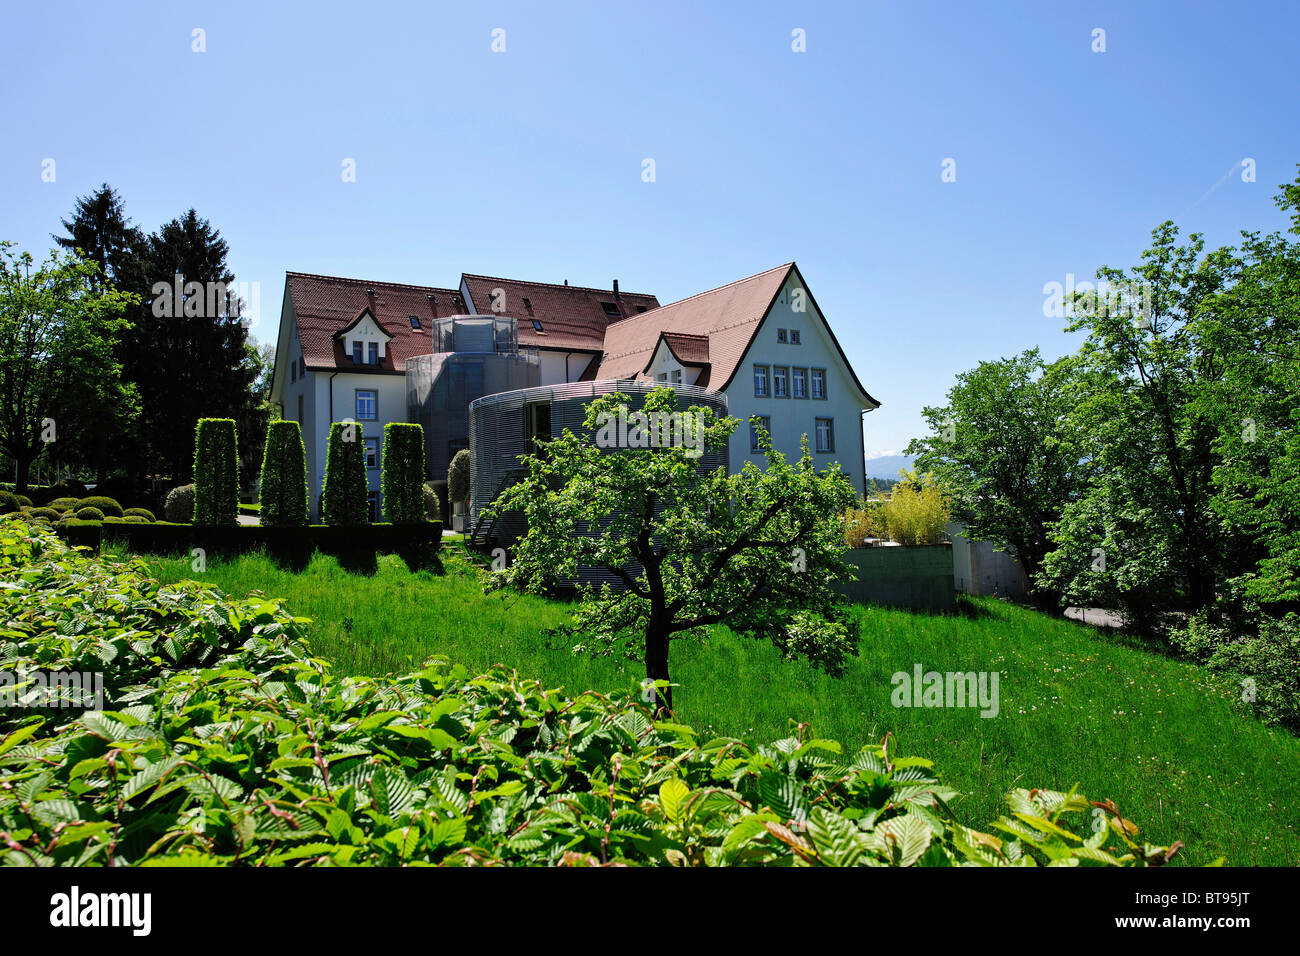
(284, 476)
(402, 480)
(343, 499)
(216, 472)
(754, 550)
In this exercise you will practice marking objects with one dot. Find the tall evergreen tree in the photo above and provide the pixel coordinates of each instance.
(189, 350)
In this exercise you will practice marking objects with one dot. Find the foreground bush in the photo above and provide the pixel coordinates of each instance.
(216, 472)
(179, 505)
(223, 741)
(283, 490)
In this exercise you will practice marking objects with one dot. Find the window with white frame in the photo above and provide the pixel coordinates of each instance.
(367, 405)
(799, 382)
(758, 421)
(372, 452)
(818, 382)
(794, 336)
(780, 381)
(825, 435)
(760, 381)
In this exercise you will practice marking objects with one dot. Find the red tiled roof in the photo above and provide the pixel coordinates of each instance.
(727, 316)
(572, 317)
(325, 305)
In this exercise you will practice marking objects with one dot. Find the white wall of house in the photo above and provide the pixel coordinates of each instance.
(791, 417)
(391, 407)
(559, 367)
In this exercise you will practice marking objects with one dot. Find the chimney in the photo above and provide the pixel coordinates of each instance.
(566, 281)
(616, 288)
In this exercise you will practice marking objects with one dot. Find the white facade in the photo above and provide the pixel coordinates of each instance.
(791, 417)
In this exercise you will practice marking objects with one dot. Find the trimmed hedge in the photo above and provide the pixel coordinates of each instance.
(42, 495)
(458, 478)
(144, 513)
(63, 504)
(216, 472)
(163, 538)
(90, 514)
(343, 499)
(106, 505)
(284, 476)
(49, 514)
(402, 479)
(179, 505)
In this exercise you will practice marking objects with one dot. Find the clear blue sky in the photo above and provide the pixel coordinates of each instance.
(528, 163)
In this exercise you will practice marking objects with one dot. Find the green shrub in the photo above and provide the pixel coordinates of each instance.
(284, 476)
(49, 514)
(90, 514)
(432, 510)
(179, 505)
(917, 510)
(1258, 661)
(106, 505)
(458, 478)
(215, 711)
(8, 502)
(62, 504)
(144, 513)
(216, 472)
(137, 519)
(402, 478)
(24, 501)
(343, 498)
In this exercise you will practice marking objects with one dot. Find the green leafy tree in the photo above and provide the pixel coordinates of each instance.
(1009, 455)
(692, 547)
(402, 478)
(343, 497)
(1143, 536)
(283, 486)
(216, 472)
(59, 379)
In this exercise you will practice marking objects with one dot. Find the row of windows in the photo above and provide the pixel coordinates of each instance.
(823, 433)
(790, 336)
(782, 381)
(674, 377)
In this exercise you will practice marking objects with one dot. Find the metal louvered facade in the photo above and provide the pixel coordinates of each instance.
(502, 426)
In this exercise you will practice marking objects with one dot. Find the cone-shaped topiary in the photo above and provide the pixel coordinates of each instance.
(216, 472)
(402, 480)
(284, 476)
(343, 499)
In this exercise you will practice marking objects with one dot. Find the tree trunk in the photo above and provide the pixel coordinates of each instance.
(656, 665)
(24, 463)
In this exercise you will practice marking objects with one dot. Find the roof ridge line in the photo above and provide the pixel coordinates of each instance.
(697, 295)
(558, 285)
(403, 285)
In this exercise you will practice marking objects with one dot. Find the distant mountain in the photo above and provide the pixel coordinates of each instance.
(886, 466)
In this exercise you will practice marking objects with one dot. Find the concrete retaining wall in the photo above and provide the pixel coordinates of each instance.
(918, 578)
(978, 569)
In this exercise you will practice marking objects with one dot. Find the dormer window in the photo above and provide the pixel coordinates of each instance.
(356, 353)
(611, 310)
(372, 357)
(415, 321)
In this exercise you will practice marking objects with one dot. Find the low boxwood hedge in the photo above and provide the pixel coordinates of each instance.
(165, 538)
(106, 505)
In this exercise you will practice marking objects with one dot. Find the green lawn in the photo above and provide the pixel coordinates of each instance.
(1148, 732)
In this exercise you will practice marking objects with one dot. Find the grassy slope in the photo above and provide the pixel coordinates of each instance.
(1147, 732)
